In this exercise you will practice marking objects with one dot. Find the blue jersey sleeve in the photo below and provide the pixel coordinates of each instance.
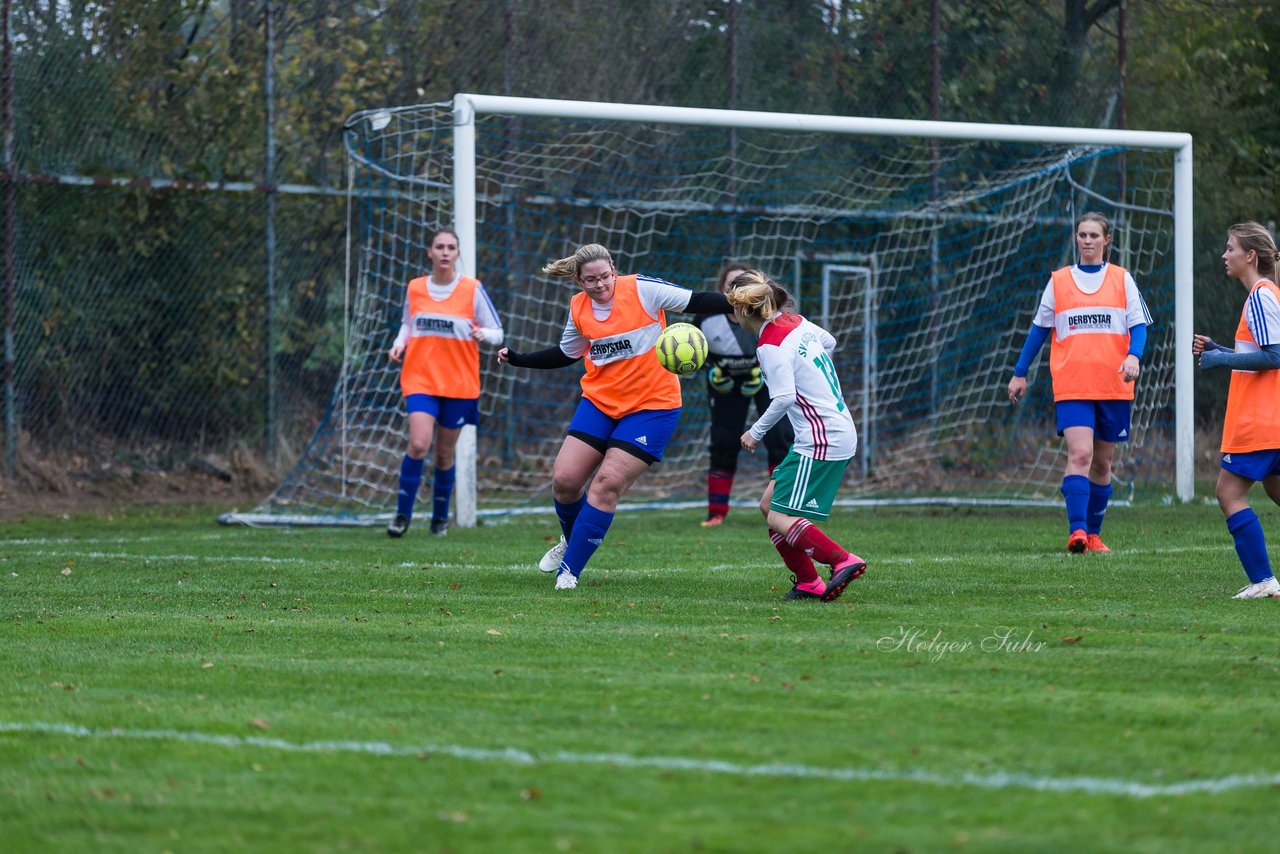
(1137, 339)
(1035, 340)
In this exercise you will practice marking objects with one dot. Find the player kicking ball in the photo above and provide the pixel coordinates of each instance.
(795, 358)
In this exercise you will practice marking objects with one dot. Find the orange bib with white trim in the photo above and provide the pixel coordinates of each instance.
(1091, 338)
(1253, 401)
(441, 357)
(623, 374)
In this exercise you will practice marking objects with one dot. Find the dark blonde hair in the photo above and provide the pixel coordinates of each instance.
(568, 268)
(756, 295)
(1253, 236)
(1094, 216)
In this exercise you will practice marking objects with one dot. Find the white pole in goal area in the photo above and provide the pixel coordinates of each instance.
(467, 106)
(464, 223)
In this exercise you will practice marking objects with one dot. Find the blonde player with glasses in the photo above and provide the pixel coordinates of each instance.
(795, 357)
(630, 406)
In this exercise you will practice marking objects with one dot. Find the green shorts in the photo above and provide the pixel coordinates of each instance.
(806, 487)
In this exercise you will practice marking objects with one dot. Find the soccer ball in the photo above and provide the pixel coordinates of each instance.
(681, 348)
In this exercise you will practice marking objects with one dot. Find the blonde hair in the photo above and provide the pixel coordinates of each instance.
(1253, 236)
(756, 295)
(568, 268)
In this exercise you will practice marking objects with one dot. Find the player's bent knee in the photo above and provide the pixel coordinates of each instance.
(567, 487)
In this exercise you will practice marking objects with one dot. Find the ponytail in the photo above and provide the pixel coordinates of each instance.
(756, 295)
(1254, 237)
(568, 268)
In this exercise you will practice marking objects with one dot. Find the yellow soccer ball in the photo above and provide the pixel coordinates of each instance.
(681, 348)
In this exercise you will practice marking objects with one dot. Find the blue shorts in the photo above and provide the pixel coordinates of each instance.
(449, 412)
(643, 434)
(1254, 465)
(1108, 419)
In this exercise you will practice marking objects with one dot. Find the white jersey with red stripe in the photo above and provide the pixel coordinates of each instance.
(795, 358)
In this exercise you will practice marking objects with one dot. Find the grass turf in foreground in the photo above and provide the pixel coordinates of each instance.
(635, 712)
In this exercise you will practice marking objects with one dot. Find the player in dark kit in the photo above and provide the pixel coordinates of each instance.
(733, 382)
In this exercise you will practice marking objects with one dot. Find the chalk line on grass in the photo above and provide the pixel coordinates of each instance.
(517, 756)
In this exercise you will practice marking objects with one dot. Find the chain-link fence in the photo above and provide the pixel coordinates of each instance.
(173, 193)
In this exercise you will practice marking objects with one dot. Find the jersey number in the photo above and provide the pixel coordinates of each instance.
(829, 371)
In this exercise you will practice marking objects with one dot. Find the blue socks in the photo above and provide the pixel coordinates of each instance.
(410, 478)
(588, 534)
(568, 514)
(1075, 489)
(1251, 545)
(441, 492)
(1099, 495)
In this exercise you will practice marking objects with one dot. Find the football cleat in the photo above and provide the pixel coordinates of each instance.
(813, 590)
(439, 527)
(1077, 542)
(1097, 545)
(566, 580)
(551, 560)
(841, 574)
(1264, 589)
(398, 526)
(712, 520)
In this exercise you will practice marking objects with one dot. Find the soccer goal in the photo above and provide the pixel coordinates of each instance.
(922, 246)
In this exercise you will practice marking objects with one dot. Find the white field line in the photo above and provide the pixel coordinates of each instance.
(516, 756)
(872, 560)
(85, 541)
(139, 557)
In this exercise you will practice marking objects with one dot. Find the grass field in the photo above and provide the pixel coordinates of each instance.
(166, 684)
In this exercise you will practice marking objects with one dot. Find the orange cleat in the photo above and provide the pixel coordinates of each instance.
(713, 520)
(1078, 542)
(1097, 545)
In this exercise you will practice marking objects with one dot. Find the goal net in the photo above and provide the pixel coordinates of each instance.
(924, 256)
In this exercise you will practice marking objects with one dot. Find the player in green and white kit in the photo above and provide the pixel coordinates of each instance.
(795, 357)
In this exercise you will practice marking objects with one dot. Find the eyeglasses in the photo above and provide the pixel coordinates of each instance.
(592, 281)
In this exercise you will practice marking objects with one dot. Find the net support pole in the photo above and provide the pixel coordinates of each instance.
(464, 223)
(269, 230)
(1183, 369)
(8, 189)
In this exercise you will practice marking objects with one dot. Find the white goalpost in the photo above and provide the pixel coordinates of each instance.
(922, 245)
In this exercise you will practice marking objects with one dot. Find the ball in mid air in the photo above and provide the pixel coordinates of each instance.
(681, 348)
